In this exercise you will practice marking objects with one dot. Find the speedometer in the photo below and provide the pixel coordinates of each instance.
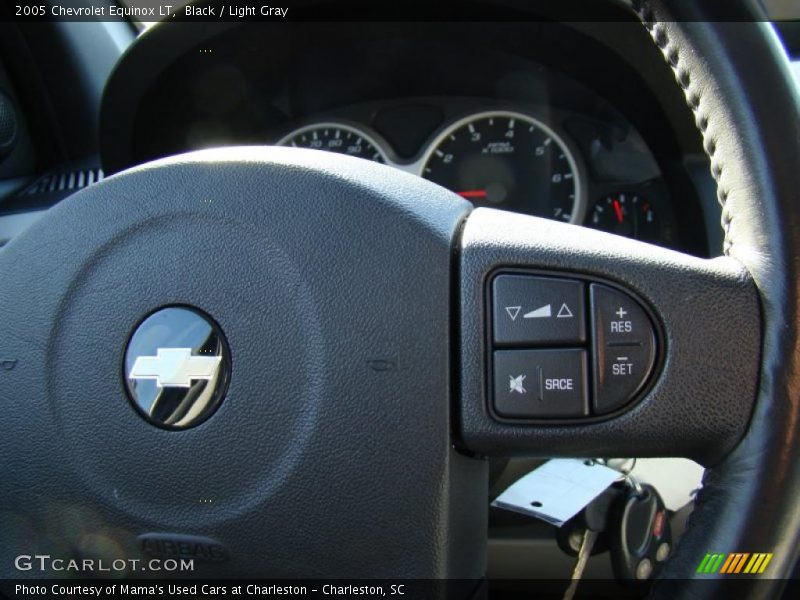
(335, 137)
(507, 160)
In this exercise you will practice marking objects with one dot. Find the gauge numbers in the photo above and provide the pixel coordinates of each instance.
(510, 161)
(335, 137)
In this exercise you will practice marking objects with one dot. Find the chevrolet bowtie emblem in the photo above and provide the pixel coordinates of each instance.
(175, 367)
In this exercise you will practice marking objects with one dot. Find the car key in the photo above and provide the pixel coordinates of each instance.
(595, 517)
(640, 535)
(593, 521)
(589, 538)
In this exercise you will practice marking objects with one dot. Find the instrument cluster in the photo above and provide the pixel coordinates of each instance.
(527, 160)
(497, 158)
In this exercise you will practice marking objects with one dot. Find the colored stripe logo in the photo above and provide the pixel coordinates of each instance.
(734, 563)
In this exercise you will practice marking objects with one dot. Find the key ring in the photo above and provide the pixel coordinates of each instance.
(634, 483)
(625, 474)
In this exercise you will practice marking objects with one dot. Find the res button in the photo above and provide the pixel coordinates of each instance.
(616, 317)
(624, 347)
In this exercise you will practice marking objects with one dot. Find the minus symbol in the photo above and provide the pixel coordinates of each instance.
(621, 358)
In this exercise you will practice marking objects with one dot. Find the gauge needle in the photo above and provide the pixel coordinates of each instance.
(618, 210)
(472, 194)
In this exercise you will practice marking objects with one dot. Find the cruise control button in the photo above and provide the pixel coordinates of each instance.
(533, 384)
(624, 348)
(621, 371)
(616, 317)
(537, 310)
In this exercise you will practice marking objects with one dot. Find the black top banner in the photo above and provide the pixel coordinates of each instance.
(152, 11)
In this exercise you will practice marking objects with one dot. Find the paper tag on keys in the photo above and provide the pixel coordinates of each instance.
(558, 490)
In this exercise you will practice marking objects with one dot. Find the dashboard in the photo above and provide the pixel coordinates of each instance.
(529, 159)
(538, 118)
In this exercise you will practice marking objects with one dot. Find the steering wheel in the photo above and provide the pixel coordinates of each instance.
(344, 417)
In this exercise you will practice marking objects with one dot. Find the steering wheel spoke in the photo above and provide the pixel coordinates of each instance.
(578, 343)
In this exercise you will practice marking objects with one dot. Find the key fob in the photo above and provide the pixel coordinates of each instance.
(640, 536)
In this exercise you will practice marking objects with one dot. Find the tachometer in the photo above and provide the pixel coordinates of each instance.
(510, 161)
(335, 137)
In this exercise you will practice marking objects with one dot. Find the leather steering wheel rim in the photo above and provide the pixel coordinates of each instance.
(736, 79)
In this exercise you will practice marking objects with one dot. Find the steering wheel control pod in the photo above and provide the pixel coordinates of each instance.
(566, 348)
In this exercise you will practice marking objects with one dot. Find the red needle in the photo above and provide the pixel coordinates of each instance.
(618, 210)
(472, 194)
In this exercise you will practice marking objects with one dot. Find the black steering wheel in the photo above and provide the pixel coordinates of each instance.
(345, 414)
